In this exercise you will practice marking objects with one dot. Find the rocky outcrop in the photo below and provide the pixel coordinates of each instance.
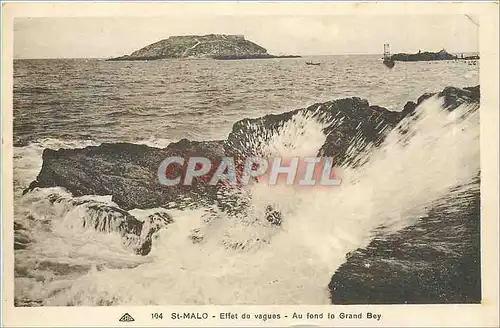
(21, 236)
(454, 97)
(128, 172)
(423, 56)
(353, 119)
(136, 234)
(151, 225)
(434, 261)
(216, 46)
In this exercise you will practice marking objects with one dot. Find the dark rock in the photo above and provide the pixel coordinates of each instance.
(60, 268)
(105, 218)
(359, 120)
(128, 172)
(151, 225)
(454, 97)
(411, 266)
(423, 56)
(136, 234)
(437, 260)
(21, 236)
(273, 216)
(434, 261)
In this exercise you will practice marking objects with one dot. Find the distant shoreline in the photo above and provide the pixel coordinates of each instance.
(108, 58)
(431, 56)
(227, 57)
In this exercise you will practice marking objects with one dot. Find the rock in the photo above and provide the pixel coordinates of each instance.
(454, 97)
(21, 236)
(435, 261)
(273, 216)
(151, 225)
(107, 219)
(128, 172)
(136, 234)
(360, 120)
(423, 56)
(216, 46)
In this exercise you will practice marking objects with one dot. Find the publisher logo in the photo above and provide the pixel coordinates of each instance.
(126, 318)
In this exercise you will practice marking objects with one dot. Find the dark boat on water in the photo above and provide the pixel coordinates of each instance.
(311, 63)
(389, 62)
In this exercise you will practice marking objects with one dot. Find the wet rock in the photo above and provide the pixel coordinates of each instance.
(105, 218)
(437, 260)
(411, 266)
(423, 56)
(21, 236)
(136, 234)
(273, 216)
(434, 261)
(353, 118)
(151, 225)
(454, 97)
(129, 172)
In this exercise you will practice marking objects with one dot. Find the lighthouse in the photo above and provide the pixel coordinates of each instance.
(387, 57)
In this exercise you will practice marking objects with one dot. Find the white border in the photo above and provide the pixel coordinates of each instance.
(483, 315)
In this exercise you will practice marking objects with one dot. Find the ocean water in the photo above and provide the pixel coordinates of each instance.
(201, 99)
(75, 103)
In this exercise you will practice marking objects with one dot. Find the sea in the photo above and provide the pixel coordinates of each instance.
(74, 103)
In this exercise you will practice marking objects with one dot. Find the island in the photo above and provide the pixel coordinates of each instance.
(214, 46)
(428, 56)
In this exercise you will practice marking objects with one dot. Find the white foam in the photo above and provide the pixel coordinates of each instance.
(292, 263)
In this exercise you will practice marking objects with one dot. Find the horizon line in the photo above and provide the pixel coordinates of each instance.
(316, 55)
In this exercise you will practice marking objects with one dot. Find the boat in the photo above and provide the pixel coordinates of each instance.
(388, 61)
(311, 63)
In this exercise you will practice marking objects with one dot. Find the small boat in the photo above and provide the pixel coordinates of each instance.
(389, 62)
(311, 63)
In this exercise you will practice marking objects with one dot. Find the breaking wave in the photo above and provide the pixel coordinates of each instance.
(206, 256)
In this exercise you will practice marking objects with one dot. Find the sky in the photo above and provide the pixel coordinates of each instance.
(104, 37)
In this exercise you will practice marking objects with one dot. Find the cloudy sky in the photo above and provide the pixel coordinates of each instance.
(103, 37)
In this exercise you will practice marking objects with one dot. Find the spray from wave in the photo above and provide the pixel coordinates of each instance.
(208, 256)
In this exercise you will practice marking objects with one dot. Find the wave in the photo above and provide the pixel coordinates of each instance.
(209, 255)
(28, 157)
